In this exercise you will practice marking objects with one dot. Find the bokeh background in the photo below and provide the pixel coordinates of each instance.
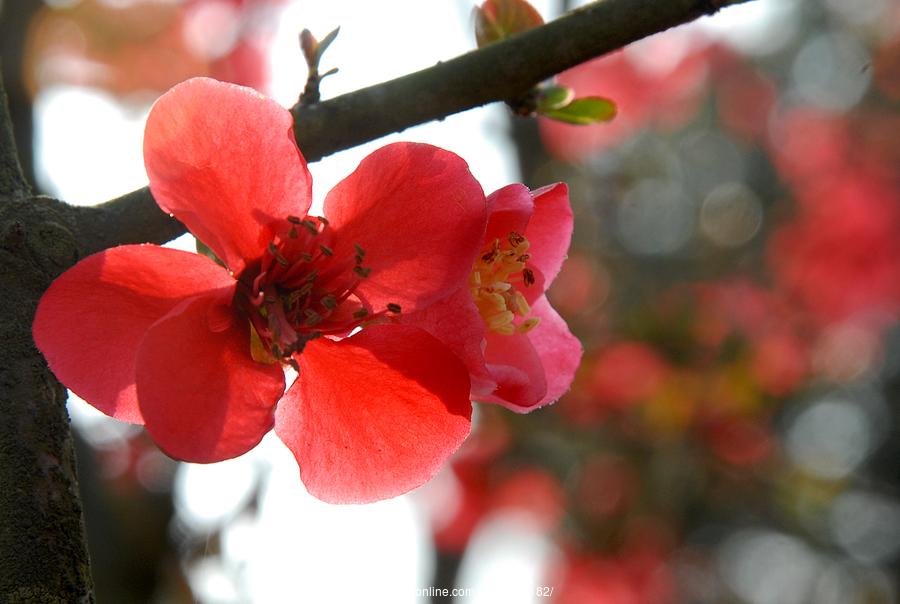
(732, 434)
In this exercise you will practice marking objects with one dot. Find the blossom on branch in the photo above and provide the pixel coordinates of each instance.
(519, 351)
(196, 352)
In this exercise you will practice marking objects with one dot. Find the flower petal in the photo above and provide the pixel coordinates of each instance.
(559, 351)
(91, 320)
(550, 229)
(419, 214)
(516, 366)
(223, 160)
(509, 209)
(374, 415)
(202, 397)
(456, 322)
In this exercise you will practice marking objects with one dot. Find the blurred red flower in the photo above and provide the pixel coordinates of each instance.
(626, 373)
(840, 255)
(639, 575)
(808, 145)
(148, 45)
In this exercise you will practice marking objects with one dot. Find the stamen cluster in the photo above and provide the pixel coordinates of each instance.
(299, 291)
(500, 268)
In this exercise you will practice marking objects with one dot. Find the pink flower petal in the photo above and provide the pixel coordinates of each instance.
(456, 322)
(202, 397)
(550, 229)
(91, 320)
(559, 351)
(223, 160)
(419, 214)
(509, 209)
(514, 363)
(374, 415)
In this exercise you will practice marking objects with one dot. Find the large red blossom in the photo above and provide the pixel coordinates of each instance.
(196, 352)
(519, 351)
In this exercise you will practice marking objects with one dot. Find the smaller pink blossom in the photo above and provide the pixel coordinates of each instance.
(518, 350)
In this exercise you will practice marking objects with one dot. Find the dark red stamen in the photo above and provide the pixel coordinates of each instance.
(298, 290)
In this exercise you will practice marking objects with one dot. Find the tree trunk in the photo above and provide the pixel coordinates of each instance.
(43, 553)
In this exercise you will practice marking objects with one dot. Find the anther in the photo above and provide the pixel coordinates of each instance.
(394, 308)
(326, 250)
(361, 313)
(528, 324)
(521, 305)
(500, 319)
(294, 219)
(328, 301)
(362, 271)
(360, 253)
(491, 255)
(311, 226)
(498, 301)
(278, 257)
(528, 276)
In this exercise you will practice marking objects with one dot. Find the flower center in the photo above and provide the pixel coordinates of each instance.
(498, 271)
(299, 291)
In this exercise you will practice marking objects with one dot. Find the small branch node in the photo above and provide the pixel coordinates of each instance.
(312, 51)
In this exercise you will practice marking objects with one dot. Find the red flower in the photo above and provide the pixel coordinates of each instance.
(840, 255)
(627, 373)
(195, 352)
(519, 351)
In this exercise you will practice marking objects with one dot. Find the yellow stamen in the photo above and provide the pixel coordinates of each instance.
(528, 324)
(521, 305)
(500, 319)
(495, 301)
(498, 270)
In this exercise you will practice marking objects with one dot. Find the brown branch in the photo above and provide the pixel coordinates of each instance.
(502, 71)
(131, 218)
(12, 180)
(499, 72)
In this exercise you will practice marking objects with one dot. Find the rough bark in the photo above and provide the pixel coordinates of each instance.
(43, 553)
